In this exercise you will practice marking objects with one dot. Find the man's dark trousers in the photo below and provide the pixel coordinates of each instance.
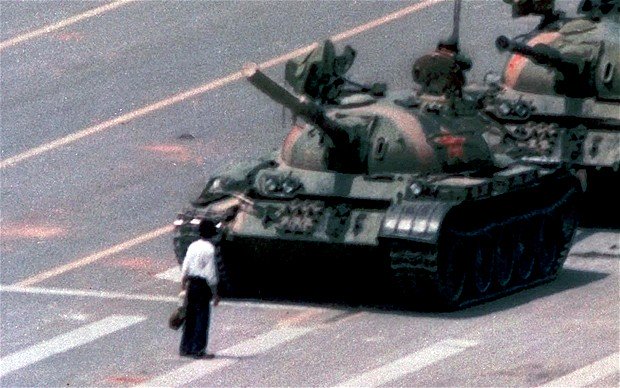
(196, 328)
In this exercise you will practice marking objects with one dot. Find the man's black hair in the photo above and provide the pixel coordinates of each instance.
(207, 228)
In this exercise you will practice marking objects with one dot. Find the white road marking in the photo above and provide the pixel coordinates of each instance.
(590, 374)
(95, 256)
(411, 363)
(218, 83)
(147, 297)
(265, 342)
(199, 369)
(89, 293)
(267, 306)
(188, 373)
(64, 342)
(173, 274)
(62, 24)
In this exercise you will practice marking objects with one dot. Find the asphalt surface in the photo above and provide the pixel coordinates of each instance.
(87, 268)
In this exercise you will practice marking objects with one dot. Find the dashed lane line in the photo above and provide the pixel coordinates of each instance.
(245, 304)
(409, 364)
(590, 374)
(66, 341)
(218, 83)
(62, 24)
(94, 257)
(227, 357)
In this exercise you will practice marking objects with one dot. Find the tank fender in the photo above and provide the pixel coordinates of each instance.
(418, 221)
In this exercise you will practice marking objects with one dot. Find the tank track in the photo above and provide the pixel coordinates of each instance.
(505, 254)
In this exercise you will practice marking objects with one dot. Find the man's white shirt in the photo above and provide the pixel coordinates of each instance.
(200, 261)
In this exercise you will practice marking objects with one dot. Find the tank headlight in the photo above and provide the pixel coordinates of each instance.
(195, 221)
(216, 185)
(522, 110)
(289, 186)
(416, 189)
(504, 108)
(271, 184)
(178, 222)
(492, 79)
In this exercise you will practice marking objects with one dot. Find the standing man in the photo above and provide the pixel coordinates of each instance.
(199, 279)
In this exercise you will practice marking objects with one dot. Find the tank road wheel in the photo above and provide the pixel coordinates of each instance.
(226, 286)
(481, 266)
(546, 246)
(504, 258)
(524, 254)
(560, 231)
(233, 282)
(451, 273)
(568, 226)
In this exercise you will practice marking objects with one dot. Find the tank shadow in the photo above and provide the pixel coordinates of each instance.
(567, 279)
(358, 298)
(598, 207)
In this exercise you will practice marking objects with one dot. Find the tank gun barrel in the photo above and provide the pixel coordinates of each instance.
(541, 54)
(299, 106)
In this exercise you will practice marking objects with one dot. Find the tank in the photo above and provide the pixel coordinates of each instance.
(396, 190)
(559, 95)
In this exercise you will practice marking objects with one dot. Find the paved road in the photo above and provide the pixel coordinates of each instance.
(112, 119)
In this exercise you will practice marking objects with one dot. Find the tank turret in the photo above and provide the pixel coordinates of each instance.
(560, 92)
(581, 56)
(576, 75)
(573, 73)
(365, 132)
(339, 136)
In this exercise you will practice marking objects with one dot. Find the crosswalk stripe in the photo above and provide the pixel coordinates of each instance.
(64, 342)
(266, 341)
(411, 363)
(590, 374)
(199, 369)
(173, 274)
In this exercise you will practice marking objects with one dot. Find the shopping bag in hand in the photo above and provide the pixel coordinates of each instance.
(177, 318)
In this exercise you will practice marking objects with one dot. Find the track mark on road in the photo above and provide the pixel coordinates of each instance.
(62, 24)
(11, 231)
(94, 257)
(590, 374)
(218, 83)
(229, 356)
(409, 364)
(67, 341)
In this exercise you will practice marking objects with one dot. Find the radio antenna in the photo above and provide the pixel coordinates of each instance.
(453, 40)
